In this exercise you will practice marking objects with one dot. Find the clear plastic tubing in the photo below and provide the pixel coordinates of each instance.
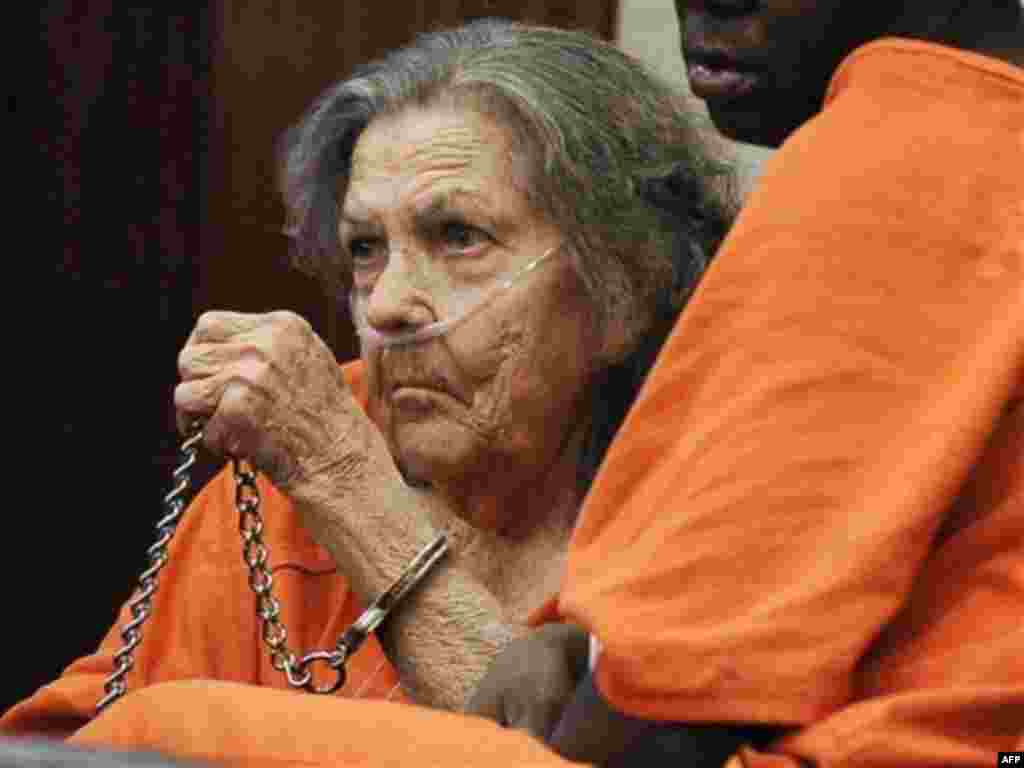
(371, 339)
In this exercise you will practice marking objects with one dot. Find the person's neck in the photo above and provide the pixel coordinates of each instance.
(970, 26)
(512, 533)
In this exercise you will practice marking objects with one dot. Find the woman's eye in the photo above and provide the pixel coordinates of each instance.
(462, 236)
(361, 249)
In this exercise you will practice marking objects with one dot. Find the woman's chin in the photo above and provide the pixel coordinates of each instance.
(434, 451)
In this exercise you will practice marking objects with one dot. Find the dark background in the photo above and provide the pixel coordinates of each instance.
(152, 134)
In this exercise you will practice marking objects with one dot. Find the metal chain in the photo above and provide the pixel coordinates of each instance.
(261, 580)
(255, 554)
(140, 606)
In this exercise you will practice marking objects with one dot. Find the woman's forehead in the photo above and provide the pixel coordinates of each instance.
(424, 158)
(391, 141)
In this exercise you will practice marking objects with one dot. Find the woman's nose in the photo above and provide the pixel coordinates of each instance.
(397, 301)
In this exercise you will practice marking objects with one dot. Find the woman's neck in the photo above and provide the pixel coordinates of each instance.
(519, 571)
(512, 532)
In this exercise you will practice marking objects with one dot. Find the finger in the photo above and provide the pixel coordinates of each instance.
(200, 359)
(196, 400)
(235, 425)
(217, 326)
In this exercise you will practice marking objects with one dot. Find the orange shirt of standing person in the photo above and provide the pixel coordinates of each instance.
(813, 517)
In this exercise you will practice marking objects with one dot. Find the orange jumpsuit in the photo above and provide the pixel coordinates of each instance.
(814, 514)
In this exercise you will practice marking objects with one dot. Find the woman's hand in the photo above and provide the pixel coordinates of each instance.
(270, 391)
(532, 679)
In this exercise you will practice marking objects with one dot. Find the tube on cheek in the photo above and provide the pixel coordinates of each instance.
(370, 339)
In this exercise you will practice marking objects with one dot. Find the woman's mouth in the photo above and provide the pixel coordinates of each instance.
(419, 393)
(416, 400)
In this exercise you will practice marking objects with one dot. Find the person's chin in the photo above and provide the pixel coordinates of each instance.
(750, 123)
(429, 439)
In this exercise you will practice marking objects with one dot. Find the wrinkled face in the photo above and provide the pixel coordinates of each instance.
(762, 66)
(434, 214)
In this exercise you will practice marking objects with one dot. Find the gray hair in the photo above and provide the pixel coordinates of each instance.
(612, 156)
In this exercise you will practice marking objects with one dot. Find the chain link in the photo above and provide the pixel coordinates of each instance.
(256, 556)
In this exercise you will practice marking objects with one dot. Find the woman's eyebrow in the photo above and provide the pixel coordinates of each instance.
(356, 220)
(355, 211)
(442, 205)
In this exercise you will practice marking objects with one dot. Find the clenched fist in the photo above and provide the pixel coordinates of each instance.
(269, 390)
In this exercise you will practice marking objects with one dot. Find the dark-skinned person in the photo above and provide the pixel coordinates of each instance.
(805, 546)
(491, 203)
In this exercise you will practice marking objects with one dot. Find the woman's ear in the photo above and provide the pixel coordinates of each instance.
(615, 345)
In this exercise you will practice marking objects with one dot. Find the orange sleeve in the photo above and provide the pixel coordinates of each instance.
(944, 683)
(771, 501)
(204, 623)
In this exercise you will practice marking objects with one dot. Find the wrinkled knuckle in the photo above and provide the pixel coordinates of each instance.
(288, 319)
(207, 320)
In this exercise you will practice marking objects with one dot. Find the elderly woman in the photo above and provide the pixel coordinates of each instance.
(514, 215)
